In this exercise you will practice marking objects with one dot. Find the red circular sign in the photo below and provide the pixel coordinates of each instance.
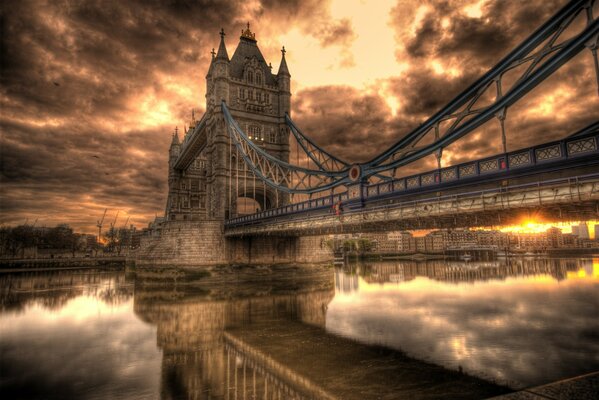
(354, 173)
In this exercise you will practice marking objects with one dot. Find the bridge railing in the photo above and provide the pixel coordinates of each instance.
(528, 159)
(421, 204)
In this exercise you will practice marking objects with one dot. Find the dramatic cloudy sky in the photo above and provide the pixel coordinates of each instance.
(91, 91)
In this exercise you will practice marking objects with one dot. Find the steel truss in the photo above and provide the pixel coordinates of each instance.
(539, 56)
(282, 175)
(529, 64)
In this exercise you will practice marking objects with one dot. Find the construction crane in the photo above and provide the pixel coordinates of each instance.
(115, 218)
(112, 232)
(99, 225)
(125, 234)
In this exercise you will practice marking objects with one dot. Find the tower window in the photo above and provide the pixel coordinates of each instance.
(255, 132)
(250, 77)
(258, 78)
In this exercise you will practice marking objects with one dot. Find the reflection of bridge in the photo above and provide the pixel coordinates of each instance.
(235, 165)
(273, 345)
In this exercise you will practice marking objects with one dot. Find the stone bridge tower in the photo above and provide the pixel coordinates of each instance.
(208, 182)
(216, 184)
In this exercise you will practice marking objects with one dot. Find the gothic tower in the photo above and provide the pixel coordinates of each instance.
(258, 100)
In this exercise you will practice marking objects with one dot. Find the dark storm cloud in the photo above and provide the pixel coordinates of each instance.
(339, 33)
(336, 115)
(480, 40)
(465, 44)
(425, 92)
(75, 76)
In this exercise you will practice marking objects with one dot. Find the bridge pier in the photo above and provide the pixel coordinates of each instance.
(276, 249)
(196, 243)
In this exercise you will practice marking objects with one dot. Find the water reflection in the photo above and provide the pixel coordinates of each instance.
(199, 359)
(298, 333)
(70, 334)
(522, 321)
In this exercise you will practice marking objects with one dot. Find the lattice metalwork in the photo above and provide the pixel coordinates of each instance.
(548, 153)
(582, 146)
(413, 182)
(278, 174)
(517, 160)
(428, 179)
(488, 166)
(467, 170)
(449, 175)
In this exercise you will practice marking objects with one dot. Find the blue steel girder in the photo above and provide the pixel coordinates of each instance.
(277, 173)
(577, 152)
(319, 156)
(465, 118)
(323, 159)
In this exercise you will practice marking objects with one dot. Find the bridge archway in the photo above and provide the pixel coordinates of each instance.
(254, 198)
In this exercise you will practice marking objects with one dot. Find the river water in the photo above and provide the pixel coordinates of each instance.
(366, 330)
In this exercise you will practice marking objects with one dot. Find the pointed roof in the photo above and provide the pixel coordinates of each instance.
(221, 54)
(175, 140)
(283, 70)
(248, 49)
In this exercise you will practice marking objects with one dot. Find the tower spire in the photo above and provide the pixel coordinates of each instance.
(283, 70)
(247, 34)
(175, 140)
(222, 49)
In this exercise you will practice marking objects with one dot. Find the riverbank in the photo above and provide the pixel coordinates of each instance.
(46, 264)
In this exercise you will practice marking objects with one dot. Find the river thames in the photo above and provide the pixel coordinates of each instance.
(366, 330)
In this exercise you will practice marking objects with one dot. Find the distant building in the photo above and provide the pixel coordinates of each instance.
(582, 230)
(492, 238)
(554, 236)
(404, 241)
(532, 241)
(436, 242)
(381, 243)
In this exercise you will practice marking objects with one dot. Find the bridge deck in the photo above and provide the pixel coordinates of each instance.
(558, 178)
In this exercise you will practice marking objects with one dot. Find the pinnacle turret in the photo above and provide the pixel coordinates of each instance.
(221, 54)
(283, 70)
(175, 141)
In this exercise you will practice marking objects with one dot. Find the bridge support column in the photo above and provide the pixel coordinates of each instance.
(272, 250)
(183, 243)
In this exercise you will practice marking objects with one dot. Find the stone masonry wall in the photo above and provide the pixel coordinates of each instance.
(184, 243)
(266, 250)
(203, 243)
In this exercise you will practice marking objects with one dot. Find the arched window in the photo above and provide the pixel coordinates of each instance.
(250, 77)
(255, 132)
(258, 78)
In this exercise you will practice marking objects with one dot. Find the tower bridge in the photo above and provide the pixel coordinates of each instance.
(235, 194)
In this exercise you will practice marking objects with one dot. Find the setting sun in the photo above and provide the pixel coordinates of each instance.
(532, 226)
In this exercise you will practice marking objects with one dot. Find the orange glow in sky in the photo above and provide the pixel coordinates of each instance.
(532, 226)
